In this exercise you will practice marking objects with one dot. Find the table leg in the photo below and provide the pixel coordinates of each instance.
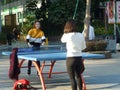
(51, 68)
(43, 64)
(40, 75)
(21, 62)
(83, 83)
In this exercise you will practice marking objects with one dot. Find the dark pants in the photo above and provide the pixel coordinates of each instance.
(9, 38)
(9, 42)
(74, 68)
(30, 62)
(29, 66)
(16, 37)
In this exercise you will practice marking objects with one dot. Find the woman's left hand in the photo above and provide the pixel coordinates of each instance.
(43, 43)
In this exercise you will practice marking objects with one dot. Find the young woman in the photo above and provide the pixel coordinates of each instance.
(34, 39)
(75, 43)
(35, 36)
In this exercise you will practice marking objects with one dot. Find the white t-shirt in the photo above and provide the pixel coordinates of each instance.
(75, 43)
(91, 33)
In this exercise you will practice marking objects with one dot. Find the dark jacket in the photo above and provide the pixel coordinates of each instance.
(14, 69)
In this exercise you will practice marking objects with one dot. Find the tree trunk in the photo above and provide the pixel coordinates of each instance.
(87, 20)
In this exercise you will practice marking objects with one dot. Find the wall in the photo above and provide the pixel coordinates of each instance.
(13, 8)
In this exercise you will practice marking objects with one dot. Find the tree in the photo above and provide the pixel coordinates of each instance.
(61, 10)
(87, 19)
(54, 14)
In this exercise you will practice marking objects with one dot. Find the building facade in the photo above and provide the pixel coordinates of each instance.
(12, 12)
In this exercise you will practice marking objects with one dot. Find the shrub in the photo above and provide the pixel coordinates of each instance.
(99, 26)
(102, 31)
(96, 45)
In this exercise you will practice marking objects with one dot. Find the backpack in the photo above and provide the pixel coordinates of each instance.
(14, 69)
(21, 84)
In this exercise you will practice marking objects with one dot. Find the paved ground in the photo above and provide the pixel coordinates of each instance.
(100, 74)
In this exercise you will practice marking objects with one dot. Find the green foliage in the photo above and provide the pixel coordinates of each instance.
(57, 15)
(103, 0)
(99, 27)
(29, 20)
(102, 31)
(62, 10)
(2, 38)
(53, 15)
(31, 5)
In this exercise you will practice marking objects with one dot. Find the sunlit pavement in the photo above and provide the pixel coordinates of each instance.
(100, 74)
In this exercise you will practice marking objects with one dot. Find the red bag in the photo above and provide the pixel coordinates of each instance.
(22, 84)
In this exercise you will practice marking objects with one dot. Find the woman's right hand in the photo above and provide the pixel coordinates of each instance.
(29, 45)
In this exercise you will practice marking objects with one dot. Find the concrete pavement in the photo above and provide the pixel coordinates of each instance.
(100, 74)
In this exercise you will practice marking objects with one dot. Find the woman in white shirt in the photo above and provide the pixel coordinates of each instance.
(91, 33)
(75, 43)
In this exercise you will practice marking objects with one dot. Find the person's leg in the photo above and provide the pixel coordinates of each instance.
(38, 62)
(78, 68)
(29, 67)
(9, 42)
(71, 72)
(16, 37)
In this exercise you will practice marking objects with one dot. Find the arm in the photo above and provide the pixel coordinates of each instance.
(43, 39)
(28, 39)
(83, 43)
(64, 38)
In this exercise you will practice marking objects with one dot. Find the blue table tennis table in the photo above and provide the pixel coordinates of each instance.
(51, 55)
